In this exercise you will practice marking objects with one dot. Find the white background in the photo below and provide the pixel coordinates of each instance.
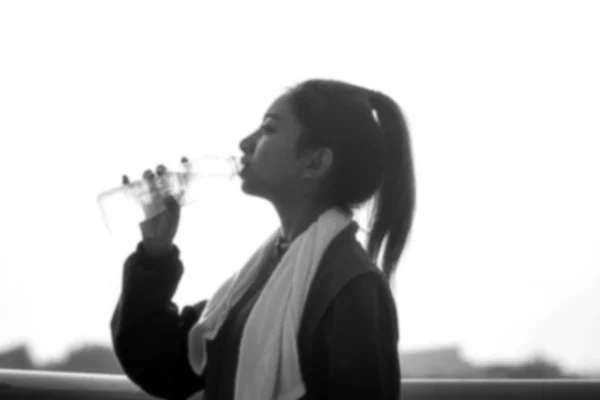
(502, 98)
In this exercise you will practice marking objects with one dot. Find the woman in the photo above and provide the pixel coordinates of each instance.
(310, 316)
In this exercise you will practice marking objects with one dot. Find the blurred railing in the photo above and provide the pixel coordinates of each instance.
(33, 385)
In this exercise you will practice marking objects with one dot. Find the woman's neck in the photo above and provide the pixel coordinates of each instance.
(296, 218)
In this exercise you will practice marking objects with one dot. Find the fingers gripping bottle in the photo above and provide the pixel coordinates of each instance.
(140, 200)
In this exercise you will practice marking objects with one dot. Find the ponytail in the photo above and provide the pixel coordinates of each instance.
(394, 203)
(374, 160)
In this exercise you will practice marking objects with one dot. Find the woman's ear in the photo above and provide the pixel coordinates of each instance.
(318, 163)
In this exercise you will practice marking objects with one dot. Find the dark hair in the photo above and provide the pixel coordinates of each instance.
(369, 138)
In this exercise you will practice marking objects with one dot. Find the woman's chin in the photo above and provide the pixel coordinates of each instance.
(251, 190)
(247, 187)
(244, 187)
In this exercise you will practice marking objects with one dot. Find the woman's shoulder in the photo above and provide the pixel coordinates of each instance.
(346, 257)
(346, 271)
(345, 261)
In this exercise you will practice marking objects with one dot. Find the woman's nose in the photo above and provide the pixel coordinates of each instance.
(247, 144)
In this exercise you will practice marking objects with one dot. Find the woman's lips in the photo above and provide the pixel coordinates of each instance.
(245, 163)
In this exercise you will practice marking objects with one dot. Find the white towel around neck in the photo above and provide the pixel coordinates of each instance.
(268, 366)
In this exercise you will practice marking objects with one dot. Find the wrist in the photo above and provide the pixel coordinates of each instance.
(157, 250)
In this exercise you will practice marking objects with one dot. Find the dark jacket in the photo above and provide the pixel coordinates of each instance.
(347, 341)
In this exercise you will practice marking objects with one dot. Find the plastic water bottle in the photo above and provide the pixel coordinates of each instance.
(133, 202)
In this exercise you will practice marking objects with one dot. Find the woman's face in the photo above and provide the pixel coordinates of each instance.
(272, 169)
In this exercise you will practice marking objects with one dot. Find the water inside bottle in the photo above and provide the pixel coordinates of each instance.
(125, 206)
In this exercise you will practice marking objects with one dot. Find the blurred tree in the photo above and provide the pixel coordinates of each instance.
(16, 358)
(93, 359)
(536, 368)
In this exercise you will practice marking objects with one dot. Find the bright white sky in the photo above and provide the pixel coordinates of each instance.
(502, 98)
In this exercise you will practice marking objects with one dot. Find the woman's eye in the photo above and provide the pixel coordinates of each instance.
(268, 129)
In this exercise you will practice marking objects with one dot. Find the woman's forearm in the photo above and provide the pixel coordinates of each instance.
(149, 334)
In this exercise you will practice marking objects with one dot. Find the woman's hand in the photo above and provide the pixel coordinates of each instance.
(159, 231)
